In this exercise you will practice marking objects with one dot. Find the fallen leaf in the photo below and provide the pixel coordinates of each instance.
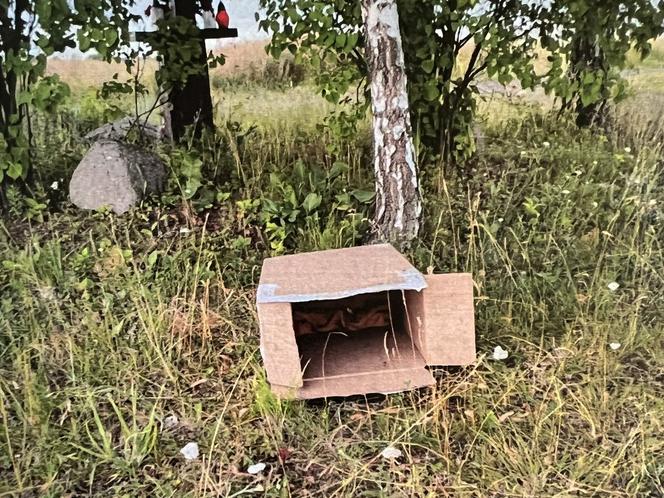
(284, 454)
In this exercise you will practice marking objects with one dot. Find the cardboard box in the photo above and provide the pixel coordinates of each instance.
(358, 321)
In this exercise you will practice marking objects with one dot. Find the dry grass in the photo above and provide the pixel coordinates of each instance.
(84, 74)
(242, 58)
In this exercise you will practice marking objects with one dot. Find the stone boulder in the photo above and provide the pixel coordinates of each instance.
(117, 175)
(119, 129)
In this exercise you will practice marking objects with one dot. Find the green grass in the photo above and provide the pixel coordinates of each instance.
(109, 325)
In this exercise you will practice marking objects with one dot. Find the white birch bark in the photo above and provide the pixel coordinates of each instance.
(398, 204)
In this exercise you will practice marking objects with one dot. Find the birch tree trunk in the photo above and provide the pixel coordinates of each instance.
(398, 204)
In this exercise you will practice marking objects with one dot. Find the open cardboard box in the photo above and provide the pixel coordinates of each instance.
(359, 321)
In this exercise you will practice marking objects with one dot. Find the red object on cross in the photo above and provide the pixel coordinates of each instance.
(222, 16)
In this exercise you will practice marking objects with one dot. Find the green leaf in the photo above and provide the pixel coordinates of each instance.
(84, 43)
(111, 37)
(311, 202)
(364, 196)
(428, 66)
(152, 258)
(351, 42)
(270, 206)
(14, 171)
(192, 186)
(588, 78)
(338, 169)
(24, 97)
(431, 91)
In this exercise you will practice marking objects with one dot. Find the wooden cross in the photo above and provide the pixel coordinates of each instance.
(192, 103)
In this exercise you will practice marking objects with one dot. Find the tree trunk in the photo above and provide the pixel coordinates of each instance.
(192, 104)
(398, 204)
(586, 55)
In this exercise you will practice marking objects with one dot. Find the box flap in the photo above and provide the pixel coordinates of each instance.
(442, 319)
(278, 345)
(336, 274)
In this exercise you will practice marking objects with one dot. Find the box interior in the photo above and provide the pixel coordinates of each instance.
(361, 335)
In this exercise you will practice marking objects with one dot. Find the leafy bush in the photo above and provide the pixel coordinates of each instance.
(314, 204)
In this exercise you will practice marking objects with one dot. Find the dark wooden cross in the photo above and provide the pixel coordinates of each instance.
(192, 103)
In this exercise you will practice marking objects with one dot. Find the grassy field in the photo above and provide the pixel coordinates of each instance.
(124, 338)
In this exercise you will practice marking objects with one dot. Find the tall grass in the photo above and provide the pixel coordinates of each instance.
(110, 326)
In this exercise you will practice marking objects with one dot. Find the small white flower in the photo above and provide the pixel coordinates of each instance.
(615, 346)
(256, 468)
(613, 286)
(565, 192)
(499, 354)
(391, 453)
(595, 163)
(546, 145)
(190, 451)
(500, 220)
(595, 204)
(46, 293)
(628, 149)
(523, 153)
(171, 421)
(55, 185)
(578, 172)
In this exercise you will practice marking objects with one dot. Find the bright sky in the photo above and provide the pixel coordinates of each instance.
(241, 13)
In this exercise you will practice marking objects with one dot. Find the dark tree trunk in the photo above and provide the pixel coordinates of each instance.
(587, 56)
(398, 204)
(12, 37)
(192, 104)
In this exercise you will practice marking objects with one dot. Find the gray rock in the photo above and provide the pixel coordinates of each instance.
(119, 129)
(117, 175)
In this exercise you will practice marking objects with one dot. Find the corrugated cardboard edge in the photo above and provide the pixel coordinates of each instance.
(411, 280)
(279, 350)
(369, 383)
(442, 319)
